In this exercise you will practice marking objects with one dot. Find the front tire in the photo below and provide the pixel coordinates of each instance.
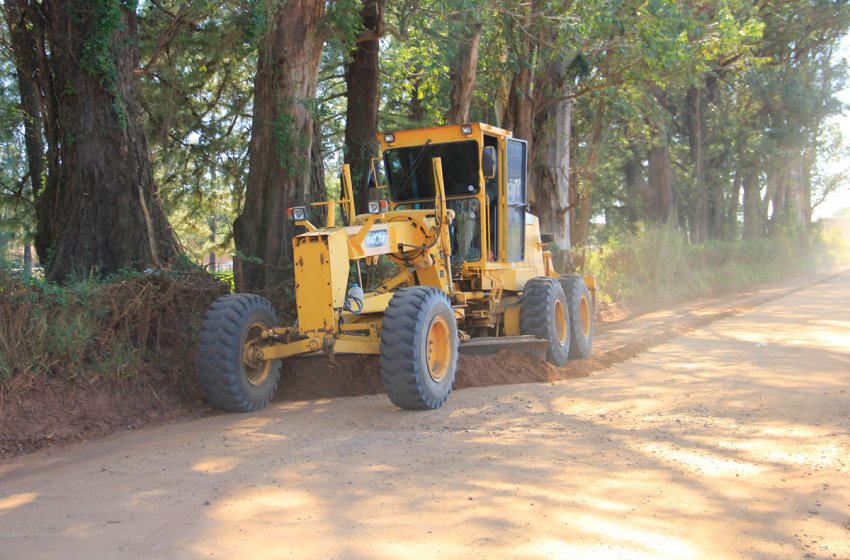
(232, 377)
(543, 313)
(419, 347)
(580, 306)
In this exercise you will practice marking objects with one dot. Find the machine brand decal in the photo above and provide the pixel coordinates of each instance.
(375, 239)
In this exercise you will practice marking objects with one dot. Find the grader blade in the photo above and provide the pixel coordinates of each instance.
(526, 344)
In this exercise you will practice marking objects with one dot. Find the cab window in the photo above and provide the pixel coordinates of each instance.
(516, 199)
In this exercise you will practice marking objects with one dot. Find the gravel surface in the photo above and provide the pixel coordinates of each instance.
(728, 441)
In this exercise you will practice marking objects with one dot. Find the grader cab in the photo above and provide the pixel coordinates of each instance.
(472, 276)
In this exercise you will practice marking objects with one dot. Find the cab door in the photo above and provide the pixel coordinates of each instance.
(516, 181)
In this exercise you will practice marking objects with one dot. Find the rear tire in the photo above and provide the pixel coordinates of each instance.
(419, 347)
(231, 379)
(543, 313)
(580, 307)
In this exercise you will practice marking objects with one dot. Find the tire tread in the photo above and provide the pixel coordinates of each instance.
(220, 371)
(402, 332)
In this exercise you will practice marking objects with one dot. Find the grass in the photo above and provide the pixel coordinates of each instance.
(110, 328)
(658, 266)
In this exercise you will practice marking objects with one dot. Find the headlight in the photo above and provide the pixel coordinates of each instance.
(389, 138)
(377, 206)
(297, 213)
(466, 129)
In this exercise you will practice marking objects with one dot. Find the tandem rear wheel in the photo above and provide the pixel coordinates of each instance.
(580, 308)
(543, 314)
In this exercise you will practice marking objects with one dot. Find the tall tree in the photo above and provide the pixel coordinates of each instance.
(279, 176)
(101, 194)
(34, 89)
(660, 204)
(362, 79)
(539, 112)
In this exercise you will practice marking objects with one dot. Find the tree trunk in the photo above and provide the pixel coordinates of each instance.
(502, 95)
(807, 163)
(520, 111)
(416, 109)
(637, 188)
(318, 189)
(730, 218)
(696, 126)
(281, 139)
(27, 260)
(551, 194)
(754, 221)
(661, 204)
(362, 78)
(795, 195)
(39, 105)
(777, 196)
(211, 223)
(111, 216)
(584, 189)
(549, 168)
(463, 72)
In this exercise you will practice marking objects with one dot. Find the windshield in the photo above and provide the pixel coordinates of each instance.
(411, 176)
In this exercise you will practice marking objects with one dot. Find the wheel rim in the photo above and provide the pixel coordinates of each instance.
(561, 327)
(439, 348)
(256, 369)
(584, 316)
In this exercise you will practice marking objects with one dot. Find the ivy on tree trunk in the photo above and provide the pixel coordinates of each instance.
(99, 209)
(280, 167)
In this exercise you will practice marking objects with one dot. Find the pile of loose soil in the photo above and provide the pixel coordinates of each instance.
(150, 321)
(38, 412)
(315, 377)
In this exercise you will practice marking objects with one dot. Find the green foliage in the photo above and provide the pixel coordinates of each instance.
(289, 142)
(47, 328)
(197, 91)
(416, 59)
(766, 71)
(101, 49)
(107, 327)
(342, 24)
(16, 197)
(228, 278)
(835, 234)
(259, 13)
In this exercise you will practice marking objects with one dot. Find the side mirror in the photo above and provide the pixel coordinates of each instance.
(488, 162)
(378, 178)
(546, 238)
(371, 183)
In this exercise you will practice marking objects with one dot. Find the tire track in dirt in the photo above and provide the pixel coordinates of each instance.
(315, 377)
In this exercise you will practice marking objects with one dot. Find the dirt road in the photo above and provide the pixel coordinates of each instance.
(731, 441)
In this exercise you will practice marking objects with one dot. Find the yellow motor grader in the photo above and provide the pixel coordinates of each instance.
(473, 276)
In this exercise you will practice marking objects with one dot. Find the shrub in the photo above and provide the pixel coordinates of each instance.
(110, 327)
(657, 265)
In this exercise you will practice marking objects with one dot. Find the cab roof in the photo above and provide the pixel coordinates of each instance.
(439, 134)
